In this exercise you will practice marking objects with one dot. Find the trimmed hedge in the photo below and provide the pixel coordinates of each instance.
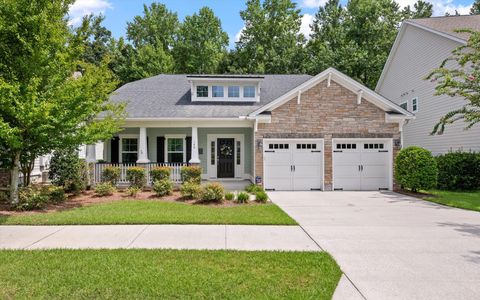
(111, 174)
(459, 171)
(213, 192)
(191, 174)
(416, 169)
(137, 177)
(163, 187)
(160, 173)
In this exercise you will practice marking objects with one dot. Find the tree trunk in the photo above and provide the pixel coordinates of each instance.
(14, 179)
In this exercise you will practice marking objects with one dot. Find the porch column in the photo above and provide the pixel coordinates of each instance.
(91, 154)
(142, 147)
(195, 158)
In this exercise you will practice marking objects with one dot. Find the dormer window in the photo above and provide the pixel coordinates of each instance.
(202, 91)
(233, 91)
(249, 91)
(217, 91)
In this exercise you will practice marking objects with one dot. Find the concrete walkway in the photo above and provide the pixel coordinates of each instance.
(391, 246)
(233, 237)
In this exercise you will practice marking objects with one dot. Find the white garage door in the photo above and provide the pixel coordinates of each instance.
(361, 165)
(293, 165)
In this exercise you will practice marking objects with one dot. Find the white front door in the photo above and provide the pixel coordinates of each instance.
(361, 165)
(293, 164)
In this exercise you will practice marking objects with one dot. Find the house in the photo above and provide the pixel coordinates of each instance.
(421, 46)
(287, 132)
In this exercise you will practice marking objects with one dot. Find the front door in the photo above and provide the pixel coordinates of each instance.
(225, 156)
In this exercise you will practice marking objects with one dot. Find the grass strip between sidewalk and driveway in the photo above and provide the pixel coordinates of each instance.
(459, 199)
(155, 212)
(166, 274)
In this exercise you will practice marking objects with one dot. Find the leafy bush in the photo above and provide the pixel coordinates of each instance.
(68, 171)
(191, 174)
(160, 173)
(253, 189)
(191, 190)
(132, 191)
(31, 198)
(229, 196)
(136, 176)
(55, 194)
(243, 197)
(4, 196)
(163, 187)
(213, 192)
(111, 174)
(459, 171)
(416, 169)
(261, 196)
(104, 189)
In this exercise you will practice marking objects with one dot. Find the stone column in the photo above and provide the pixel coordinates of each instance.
(142, 147)
(195, 156)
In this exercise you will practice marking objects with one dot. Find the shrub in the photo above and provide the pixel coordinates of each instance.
(111, 174)
(136, 177)
(191, 190)
(159, 173)
(132, 191)
(229, 196)
(55, 194)
(68, 171)
(31, 198)
(261, 196)
(253, 189)
(459, 171)
(213, 192)
(191, 174)
(104, 189)
(163, 187)
(243, 197)
(416, 169)
(4, 196)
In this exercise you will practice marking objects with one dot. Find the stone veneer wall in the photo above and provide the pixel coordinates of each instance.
(325, 112)
(4, 178)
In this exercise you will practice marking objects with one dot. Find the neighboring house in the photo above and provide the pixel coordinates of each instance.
(421, 46)
(289, 132)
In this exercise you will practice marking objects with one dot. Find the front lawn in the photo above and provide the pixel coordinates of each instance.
(465, 200)
(155, 212)
(166, 274)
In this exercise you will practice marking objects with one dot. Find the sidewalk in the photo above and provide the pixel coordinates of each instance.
(232, 237)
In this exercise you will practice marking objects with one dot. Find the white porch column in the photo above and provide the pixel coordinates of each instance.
(195, 158)
(142, 147)
(91, 153)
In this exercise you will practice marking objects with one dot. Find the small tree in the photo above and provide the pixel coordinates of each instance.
(416, 169)
(459, 76)
(67, 170)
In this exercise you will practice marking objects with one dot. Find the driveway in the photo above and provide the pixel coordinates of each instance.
(392, 246)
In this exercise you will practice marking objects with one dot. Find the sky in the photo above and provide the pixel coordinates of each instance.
(119, 12)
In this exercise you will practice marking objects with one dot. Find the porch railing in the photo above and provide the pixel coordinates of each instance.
(175, 175)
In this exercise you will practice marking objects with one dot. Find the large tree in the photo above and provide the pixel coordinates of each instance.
(459, 76)
(45, 104)
(201, 43)
(475, 9)
(270, 41)
(421, 9)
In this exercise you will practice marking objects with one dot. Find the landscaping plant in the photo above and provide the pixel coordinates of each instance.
(253, 188)
(416, 169)
(163, 187)
(191, 190)
(229, 196)
(137, 177)
(160, 173)
(213, 192)
(243, 197)
(55, 194)
(111, 174)
(104, 189)
(31, 198)
(261, 196)
(132, 191)
(459, 171)
(68, 171)
(191, 174)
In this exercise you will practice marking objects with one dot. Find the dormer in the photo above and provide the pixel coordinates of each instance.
(225, 88)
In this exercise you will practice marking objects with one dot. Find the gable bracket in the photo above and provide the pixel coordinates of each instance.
(359, 97)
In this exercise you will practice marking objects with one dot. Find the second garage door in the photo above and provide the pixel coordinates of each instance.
(293, 165)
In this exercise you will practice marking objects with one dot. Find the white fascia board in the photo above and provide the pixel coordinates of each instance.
(391, 118)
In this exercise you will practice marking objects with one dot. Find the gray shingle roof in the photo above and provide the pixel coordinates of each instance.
(449, 24)
(168, 96)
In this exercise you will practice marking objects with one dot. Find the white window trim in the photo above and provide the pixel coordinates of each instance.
(239, 169)
(416, 100)
(175, 136)
(225, 97)
(120, 148)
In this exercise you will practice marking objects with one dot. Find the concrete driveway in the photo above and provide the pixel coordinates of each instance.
(392, 246)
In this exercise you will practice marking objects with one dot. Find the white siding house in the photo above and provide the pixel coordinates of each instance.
(420, 47)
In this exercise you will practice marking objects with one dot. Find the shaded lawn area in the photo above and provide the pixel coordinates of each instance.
(166, 274)
(459, 199)
(155, 212)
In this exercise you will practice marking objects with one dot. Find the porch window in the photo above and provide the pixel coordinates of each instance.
(238, 153)
(249, 91)
(129, 150)
(233, 91)
(217, 91)
(202, 91)
(175, 150)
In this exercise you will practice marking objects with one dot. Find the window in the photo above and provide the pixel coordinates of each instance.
(346, 146)
(249, 91)
(404, 105)
(306, 146)
(238, 153)
(415, 104)
(233, 91)
(212, 153)
(129, 150)
(278, 146)
(373, 146)
(202, 91)
(175, 150)
(217, 91)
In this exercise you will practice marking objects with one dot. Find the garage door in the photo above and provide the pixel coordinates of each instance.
(361, 165)
(293, 165)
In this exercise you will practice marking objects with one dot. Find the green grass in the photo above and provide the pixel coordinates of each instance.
(156, 212)
(465, 200)
(166, 274)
